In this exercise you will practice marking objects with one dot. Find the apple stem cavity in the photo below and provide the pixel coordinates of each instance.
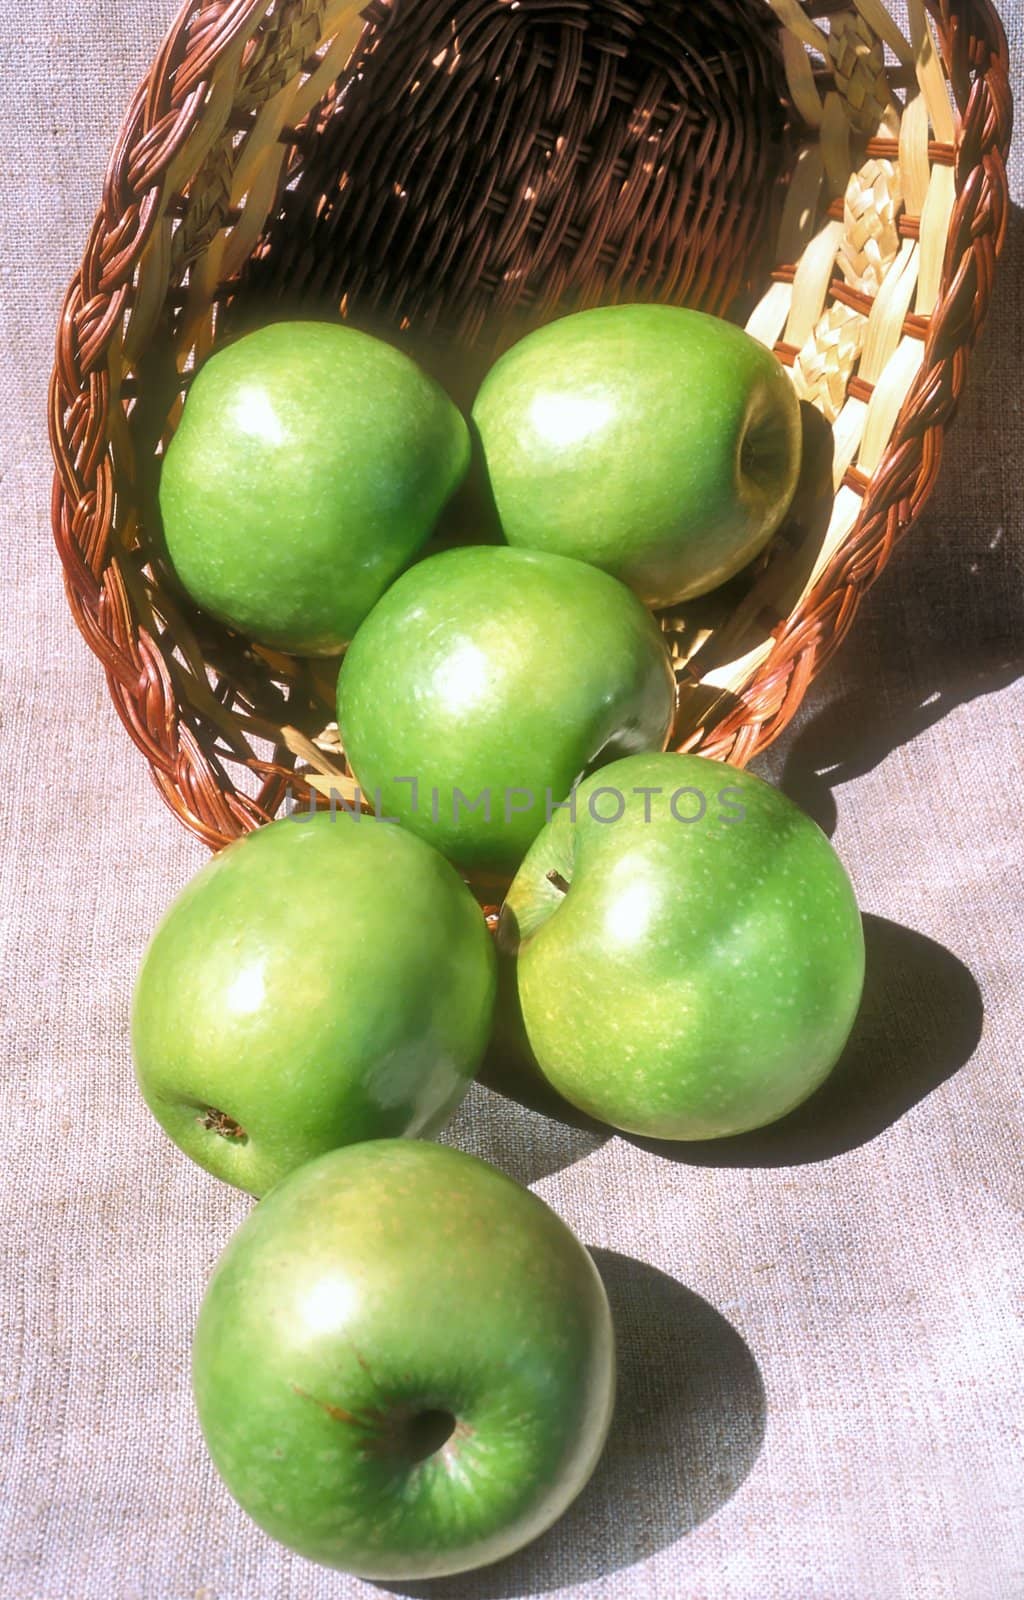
(409, 1436)
(760, 452)
(427, 1433)
(225, 1127)
(561, 884)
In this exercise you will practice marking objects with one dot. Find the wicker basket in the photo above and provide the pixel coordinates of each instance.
(453, 171)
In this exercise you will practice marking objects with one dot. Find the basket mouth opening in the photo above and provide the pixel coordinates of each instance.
(486, 167)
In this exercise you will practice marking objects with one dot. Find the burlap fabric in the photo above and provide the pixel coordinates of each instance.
(822, 1353)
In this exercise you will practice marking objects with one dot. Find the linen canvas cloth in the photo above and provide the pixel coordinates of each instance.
(820, 1328)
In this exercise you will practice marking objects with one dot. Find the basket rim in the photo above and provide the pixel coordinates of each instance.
(156, 127)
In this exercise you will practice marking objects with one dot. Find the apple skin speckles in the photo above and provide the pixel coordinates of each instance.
(310, 465)
(658, 443)
(737, 975)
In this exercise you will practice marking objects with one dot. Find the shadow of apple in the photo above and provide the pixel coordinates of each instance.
(919, 1023)
(688, 1428)
(529, 1142)
(512, 1117)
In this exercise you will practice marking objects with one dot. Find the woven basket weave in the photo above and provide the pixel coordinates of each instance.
(453, 173)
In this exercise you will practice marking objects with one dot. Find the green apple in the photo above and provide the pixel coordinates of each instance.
(310, 465)
(404, 1363)
(690, 956)
(660, 444)
(321, 981)
(485, 683)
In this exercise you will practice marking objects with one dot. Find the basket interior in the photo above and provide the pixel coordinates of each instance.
(451, 175)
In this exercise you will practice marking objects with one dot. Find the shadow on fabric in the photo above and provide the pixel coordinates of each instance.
(515, 1119)
(688, 1428)
(919, 1023)
(524, 1135)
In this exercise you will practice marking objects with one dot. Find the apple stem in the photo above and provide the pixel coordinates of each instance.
(560, 883)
